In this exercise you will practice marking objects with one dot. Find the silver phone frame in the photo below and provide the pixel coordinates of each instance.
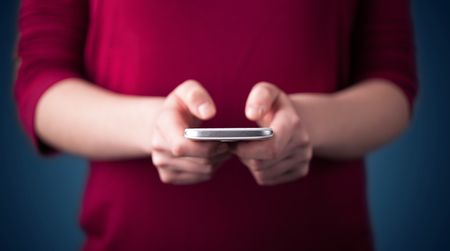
(212, 134)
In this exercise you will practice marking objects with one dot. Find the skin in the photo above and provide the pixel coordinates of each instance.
(370, 114)
(286, 156)
(179, 160)
(346, 124)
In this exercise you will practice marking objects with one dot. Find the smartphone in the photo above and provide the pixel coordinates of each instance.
(228, 134)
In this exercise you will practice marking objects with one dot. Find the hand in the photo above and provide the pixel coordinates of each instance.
(179, 160)
(286, 156)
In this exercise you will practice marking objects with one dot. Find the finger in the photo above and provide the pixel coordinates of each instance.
(269, 166)
(261, 150)
(187, 164)
(285, 122)
(187, 148)
(259, 164)
(260, 100)
(271, 149)
(213, 162)
(287, 170)
(192, 96)
(292, 175)
(219, 160)
(164, 159)
(275, 168)
(299, 154)
(265, 176)
(169, 127)
(169, 137)
(181, 178)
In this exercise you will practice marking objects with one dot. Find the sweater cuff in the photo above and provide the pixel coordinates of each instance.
(28, 101)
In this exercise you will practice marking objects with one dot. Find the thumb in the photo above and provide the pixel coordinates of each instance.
(193, 97)
(261, 101)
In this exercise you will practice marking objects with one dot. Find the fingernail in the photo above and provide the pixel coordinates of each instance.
(205, 110)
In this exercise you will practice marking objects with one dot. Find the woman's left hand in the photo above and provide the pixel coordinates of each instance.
(286, 156)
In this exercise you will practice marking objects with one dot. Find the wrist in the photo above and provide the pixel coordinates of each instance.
(313, 110)
(149, 109)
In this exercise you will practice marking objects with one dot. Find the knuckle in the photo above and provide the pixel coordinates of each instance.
(295, 120)
(208, 169)
(264, 182)
(205, 162)
(156, 144)
(258, 175)
(178, 150)
(304, 138)
(255, 164)
(260, 182)
(167, 178)
(193, 95)
(303, 171)
(157, 160)
(261, 177)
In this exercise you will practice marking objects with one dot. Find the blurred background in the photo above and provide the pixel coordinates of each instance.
(408, 180)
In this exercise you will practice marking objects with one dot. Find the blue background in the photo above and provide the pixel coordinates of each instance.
(409, 188)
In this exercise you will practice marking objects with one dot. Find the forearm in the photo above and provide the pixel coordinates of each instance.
(78, 117)
(354, 121)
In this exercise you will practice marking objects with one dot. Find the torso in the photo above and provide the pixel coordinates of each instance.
(149, 47)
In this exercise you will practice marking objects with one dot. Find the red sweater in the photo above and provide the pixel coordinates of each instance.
(148, 47)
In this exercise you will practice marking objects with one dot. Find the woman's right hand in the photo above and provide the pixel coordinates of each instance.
(180, 160)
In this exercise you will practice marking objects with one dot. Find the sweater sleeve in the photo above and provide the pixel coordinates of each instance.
(383, 45)
(50, 48)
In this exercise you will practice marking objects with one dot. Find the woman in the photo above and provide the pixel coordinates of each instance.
(118, 82)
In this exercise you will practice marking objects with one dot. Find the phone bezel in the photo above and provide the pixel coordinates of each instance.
(228, 134)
